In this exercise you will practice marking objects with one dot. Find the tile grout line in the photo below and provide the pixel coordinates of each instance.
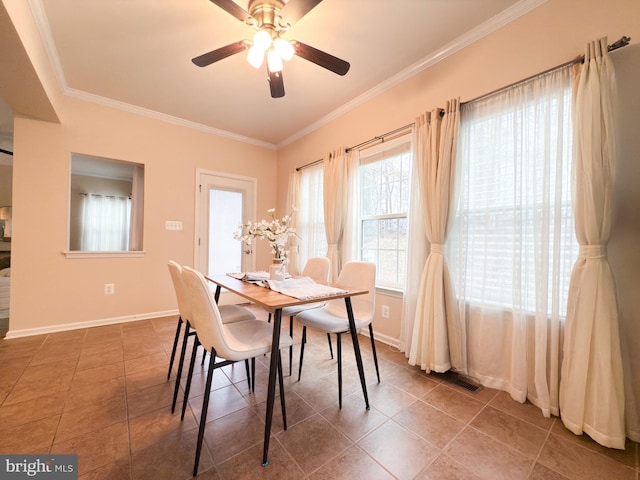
(537, 457)
(468, 424)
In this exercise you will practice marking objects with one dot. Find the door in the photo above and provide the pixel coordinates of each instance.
(223, 202)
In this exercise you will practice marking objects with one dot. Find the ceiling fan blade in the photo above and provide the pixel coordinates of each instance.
(294, 10)
(232, 8)
(220, 53)
(276, 84)
(325, 60)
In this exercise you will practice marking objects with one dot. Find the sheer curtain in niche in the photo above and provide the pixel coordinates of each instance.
(513, 243)
(105, 223)
(312, 241)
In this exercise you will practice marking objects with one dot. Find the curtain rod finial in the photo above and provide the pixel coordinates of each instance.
(623, 42)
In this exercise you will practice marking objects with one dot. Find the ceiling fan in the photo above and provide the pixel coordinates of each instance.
(272, 18)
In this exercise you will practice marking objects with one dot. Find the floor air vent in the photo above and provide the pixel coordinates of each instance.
(452, 377)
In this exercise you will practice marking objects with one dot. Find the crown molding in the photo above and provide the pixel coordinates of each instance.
(491, 25)
(44, 28)
(482, 30)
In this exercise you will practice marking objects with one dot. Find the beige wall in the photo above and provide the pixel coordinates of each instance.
(49, 289)
(552, 34)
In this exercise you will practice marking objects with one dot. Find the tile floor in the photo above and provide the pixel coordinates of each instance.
(102, 393)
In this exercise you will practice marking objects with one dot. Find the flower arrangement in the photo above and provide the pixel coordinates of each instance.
(275, 230)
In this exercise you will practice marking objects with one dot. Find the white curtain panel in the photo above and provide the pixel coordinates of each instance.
(417, 250)
(337, 178)
(592, 389)
(310, 215)
(293, 205)
(105, 223)
(436, 341)
(512, 244)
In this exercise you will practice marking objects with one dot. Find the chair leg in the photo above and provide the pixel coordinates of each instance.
(281, 386)
(175, 347)
(205, 407)
(373, 347)
(180, 364)
(304, 340)
(339, 349)
(269, 319)
(253, 374)
(204, 354)
(330, 347)
(291, 347)
(187, 388)
(246, 366)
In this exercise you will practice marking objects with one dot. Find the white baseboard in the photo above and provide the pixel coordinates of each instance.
(28, 332)
(392, 342)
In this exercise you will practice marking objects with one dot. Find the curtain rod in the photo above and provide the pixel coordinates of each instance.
(367, 142)
(381, 137)
(623, 42)
(311, 164)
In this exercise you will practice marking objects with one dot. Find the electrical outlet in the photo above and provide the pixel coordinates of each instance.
(385, 311)
(109, 289)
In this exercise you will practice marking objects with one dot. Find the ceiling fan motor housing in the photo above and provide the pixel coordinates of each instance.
(266, 15)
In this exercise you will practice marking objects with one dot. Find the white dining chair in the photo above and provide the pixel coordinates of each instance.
(229, 314)
(228, 342)
(332, 317)
(318, 269)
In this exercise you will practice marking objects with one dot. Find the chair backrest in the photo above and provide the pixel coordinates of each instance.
(204, 312)
(317, 268)
(175, 270)
(358, 275)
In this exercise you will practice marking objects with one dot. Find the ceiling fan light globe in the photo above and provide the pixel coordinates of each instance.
(255, 56)
(274, 61)
(262, 40)
(284, 49)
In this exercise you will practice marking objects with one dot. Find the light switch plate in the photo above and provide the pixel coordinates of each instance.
(173, 225)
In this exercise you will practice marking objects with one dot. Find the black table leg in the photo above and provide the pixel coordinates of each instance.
(271, 391)
(356, 349)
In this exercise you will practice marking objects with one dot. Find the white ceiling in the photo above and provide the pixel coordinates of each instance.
(137, 55)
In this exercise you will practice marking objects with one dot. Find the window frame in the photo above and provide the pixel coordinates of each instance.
(385, 150)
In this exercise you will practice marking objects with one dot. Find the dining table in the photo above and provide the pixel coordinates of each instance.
(274, 301)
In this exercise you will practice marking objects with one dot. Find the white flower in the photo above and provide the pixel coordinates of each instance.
(276, 231)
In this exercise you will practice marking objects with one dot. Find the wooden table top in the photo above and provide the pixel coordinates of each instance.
(272, 300)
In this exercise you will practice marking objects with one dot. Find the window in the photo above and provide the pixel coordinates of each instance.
(105, 205)
(385, 181)
(514, 244)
